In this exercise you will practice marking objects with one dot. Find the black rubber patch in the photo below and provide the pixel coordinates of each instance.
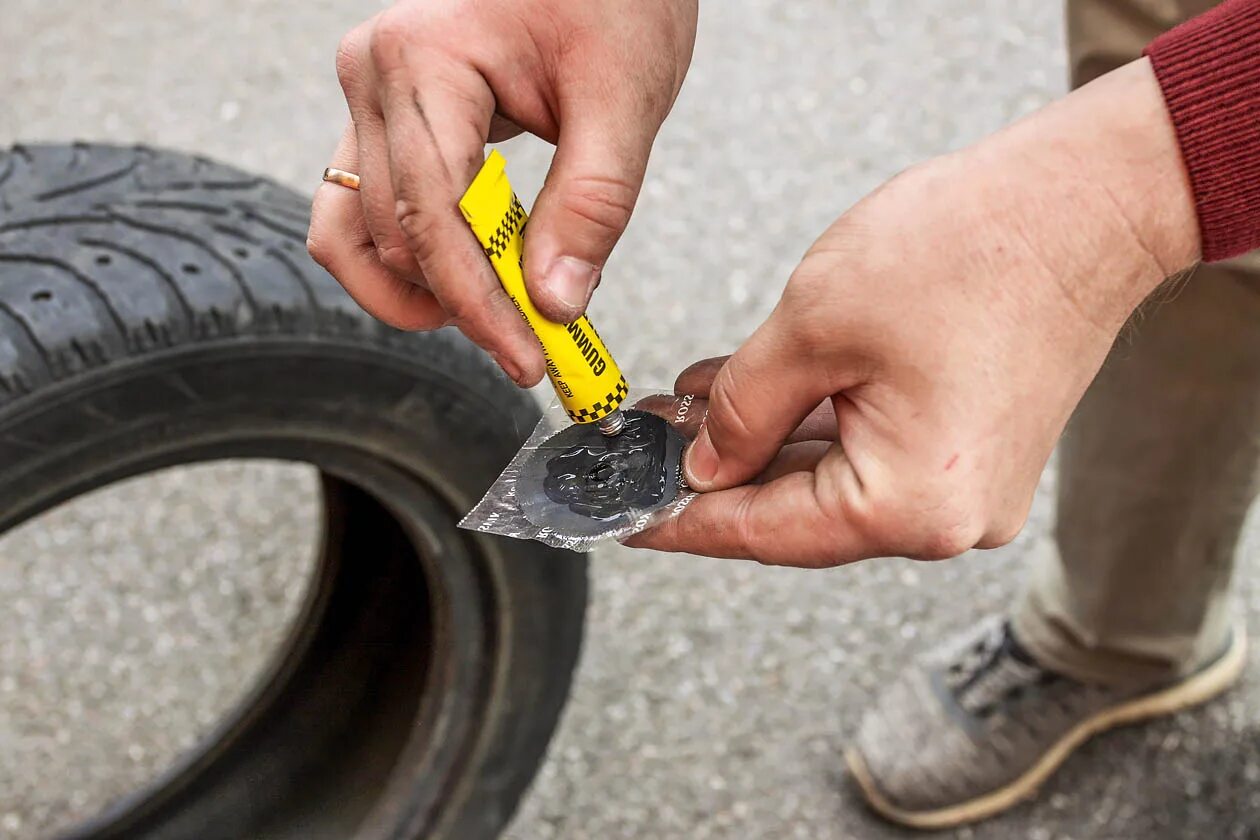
(582, 483)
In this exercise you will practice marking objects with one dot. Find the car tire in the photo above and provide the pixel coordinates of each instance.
(159, 309)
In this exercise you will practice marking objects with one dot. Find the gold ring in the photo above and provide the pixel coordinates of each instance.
(341, 178)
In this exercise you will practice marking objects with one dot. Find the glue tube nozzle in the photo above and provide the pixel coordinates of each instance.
(612, 425)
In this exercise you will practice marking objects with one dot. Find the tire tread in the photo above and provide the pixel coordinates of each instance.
(209, 254)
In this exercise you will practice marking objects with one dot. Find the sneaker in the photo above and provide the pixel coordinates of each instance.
(981, 725)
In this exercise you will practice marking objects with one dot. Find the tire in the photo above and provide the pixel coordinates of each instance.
(159, 309)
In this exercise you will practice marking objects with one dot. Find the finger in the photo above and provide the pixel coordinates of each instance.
(782, 522)
(795, 457)
(376, 191)
(584, 206)
(698, 378)
(820, 424)
(436, 127)
(686, 413)
(359, 82)
(759, 397)
(340, 241)
(501, 128)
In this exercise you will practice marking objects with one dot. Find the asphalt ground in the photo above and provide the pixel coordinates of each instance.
(713, 697)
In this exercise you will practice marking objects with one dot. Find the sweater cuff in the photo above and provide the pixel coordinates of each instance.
(1209, 70)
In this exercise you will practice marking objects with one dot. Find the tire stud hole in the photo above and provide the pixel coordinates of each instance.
(191, 268)
(104, 259)
(242, 253)
(41, 296)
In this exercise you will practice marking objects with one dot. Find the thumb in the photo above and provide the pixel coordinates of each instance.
(581, 212)
(759, 397)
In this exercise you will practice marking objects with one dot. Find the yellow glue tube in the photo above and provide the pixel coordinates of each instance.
(586, 378)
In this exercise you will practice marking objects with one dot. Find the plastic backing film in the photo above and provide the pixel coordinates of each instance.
(571, 487)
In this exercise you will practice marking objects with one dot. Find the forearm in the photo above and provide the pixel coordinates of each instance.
(1141, 173)
(1090, 189)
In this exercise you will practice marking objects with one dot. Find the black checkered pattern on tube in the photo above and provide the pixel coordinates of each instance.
(507, 227)
(600, 410)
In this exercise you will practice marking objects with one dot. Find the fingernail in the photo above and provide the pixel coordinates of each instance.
(702, 461)
(572, 281)
(509, 367)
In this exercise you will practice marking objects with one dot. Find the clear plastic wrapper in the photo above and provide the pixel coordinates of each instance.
(570, 487)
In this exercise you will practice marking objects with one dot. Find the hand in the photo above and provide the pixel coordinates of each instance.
(906, 393)
(428, 83)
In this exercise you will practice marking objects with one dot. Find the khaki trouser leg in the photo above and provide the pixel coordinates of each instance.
(1160, 463)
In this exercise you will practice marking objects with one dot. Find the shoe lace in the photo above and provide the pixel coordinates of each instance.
(997, 673)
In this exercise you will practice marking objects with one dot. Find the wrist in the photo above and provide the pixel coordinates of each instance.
(1125, 123)
(1104, 191)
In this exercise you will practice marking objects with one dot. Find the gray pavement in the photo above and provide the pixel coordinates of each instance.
(713, 698)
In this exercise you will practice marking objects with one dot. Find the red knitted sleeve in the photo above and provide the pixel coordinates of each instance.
(1209, 69)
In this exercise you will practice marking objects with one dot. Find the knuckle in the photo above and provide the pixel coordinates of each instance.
(811, 325)
(945, 536)
(933, 528)
(603, 202)
(807, 279)
(397, 259)
(942, 545)
(318, 248)
(746, 535)
(998, 537)
(419, 228)
(866, 517)
(473, 310)
(473, 313)
(393, 31)
(1002, 533)
(726, 414)
(349, 61)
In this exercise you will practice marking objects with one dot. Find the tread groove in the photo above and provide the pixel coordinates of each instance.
(299, 278)
(144, 259)
(228, 230)
(81, 278)
(6, 173)
(30, 335)
(185, 184)
(26, 224)
(90, 183)
(177, 233)
(294, 215)
(275, 226)
(241, 185)
(175, 204)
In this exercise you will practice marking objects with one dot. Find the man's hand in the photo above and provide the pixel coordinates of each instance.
(904, 396)
(428, 83)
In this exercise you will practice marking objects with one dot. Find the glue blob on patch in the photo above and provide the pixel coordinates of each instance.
(582, 483)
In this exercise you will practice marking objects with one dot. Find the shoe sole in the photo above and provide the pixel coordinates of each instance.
(1200, 688)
